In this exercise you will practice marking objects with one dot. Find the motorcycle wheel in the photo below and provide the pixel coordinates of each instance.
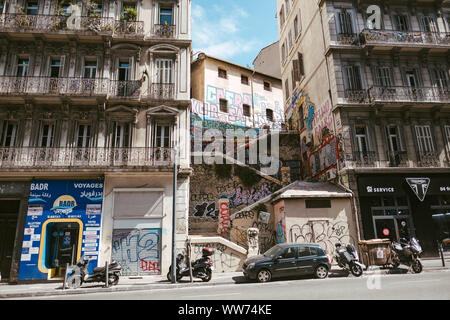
(169, 275)
(208, 276)
(73, 282)
(417, 266)
(113, 280)
(356, 270)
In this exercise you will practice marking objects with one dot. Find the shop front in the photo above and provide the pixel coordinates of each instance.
(403, 206)
(62, 224)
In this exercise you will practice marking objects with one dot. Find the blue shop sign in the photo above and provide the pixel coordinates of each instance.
(63, 223)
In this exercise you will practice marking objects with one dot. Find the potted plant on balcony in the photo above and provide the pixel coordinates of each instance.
(129, 15)
(166, 30)
(21, 18)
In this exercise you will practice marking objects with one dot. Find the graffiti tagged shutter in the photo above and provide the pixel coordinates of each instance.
(137, 250)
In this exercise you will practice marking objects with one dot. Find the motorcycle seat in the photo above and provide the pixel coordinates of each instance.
(99, 269)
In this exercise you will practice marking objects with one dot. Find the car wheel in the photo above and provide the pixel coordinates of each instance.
(264, 275)
(321, 272)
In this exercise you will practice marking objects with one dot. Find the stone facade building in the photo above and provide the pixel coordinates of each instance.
(93, 95)
(367, 85)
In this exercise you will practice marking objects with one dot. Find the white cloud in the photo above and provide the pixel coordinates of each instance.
(218, 31)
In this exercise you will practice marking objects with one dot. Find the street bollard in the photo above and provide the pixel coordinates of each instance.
(441, 251)
(106, 274)
(65, 276)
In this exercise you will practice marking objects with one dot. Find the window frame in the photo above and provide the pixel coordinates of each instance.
(223, 103)
(222, 73)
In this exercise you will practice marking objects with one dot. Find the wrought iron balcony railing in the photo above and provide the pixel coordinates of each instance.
(364, 158)
(53, 86)
(164, 31)
(129, 27)
(58, 23)
(409, 94)
(125, 89)
(162, 91)
(356, 96)
(36, 157)
(397, 158)
(348, 38)
(393, 37)
(428, 159)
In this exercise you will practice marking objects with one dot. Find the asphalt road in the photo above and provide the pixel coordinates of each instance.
(423, 286)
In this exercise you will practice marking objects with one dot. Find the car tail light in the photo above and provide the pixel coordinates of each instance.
(328, 257)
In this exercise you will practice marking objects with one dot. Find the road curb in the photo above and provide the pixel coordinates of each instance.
(232, 280)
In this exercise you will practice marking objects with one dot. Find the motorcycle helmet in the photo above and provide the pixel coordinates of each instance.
(207, 252)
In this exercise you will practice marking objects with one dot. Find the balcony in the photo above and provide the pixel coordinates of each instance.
(347, 39)
(164, 31)
(364, 158)
(162, 91)
(83, 158)
(356, 96)
(58, 24)
(405, 94)
(125, 89)
(428, 159)
(397, 158)
(53, 86)
(70, 87)
(401, 38)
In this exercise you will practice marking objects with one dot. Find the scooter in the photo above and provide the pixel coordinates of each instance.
(201, 268)
(78, 274)
(407, 253)
(347, 258)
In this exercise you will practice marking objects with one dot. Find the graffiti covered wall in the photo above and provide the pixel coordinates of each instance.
(324, 226)
(137, 250)
(321, 149)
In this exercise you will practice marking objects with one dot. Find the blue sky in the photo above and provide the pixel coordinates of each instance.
(234, 30)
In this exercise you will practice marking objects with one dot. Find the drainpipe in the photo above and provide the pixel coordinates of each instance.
(335, 131)
(253, 100)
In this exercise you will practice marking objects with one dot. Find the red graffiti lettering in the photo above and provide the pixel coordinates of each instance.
(150, 266)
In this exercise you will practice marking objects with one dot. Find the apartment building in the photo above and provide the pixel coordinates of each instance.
(230, 93)
(94, 110)
(367, 85)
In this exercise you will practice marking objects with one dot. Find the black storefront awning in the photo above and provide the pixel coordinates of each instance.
(401, 185)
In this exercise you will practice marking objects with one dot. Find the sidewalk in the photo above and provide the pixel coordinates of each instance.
(161, 282)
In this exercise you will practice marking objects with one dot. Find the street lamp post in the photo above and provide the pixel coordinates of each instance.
(174, 220)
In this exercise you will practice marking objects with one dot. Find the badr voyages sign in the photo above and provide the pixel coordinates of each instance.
(53, 202)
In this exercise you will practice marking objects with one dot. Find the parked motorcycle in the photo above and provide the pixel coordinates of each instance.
(78, 274)
(407, 253)
(201, 268)
(347, 258)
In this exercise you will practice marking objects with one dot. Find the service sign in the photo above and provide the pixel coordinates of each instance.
(63, 217)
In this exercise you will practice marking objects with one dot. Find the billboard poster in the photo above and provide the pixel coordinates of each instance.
(62, 224)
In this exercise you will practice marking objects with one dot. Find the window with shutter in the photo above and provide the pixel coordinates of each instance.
(383, 76)
(8, 134)
(424, 138)
(352, 77)
(345, 22)
(447, 135)
(47, 134)
(296, 70)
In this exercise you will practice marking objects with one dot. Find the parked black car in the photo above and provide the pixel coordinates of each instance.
(286, 260)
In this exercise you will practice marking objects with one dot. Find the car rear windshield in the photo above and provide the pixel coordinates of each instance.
(316, 251)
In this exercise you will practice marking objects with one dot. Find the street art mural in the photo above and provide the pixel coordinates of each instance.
(224, 258)
(137, 250)
(326, 233)
(209, 110)
(321, 149)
